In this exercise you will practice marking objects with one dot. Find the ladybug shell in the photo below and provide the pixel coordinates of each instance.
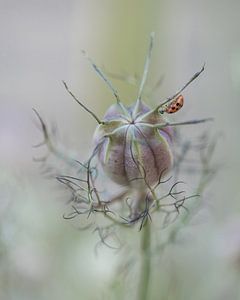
(175, 105)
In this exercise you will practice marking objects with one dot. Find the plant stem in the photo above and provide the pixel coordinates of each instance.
(145, 268)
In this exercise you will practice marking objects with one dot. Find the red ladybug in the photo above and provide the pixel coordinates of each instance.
(175, 105)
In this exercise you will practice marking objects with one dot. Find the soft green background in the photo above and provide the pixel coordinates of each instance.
(41, 255)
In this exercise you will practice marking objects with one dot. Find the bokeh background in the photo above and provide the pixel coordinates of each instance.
(43, 256)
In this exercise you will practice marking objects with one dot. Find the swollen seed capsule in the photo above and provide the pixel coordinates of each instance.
(132, 150)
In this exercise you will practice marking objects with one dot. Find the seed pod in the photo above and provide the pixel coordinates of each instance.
(132, 150)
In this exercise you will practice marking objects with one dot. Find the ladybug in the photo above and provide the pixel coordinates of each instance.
(175, 105)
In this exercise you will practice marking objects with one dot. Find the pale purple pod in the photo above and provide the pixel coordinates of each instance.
(131, 151)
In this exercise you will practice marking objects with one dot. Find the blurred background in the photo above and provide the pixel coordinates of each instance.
(43, 256)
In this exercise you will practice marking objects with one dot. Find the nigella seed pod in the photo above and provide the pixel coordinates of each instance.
(133, 145)
(132, 151)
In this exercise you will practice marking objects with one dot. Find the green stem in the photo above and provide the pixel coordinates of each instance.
(145, 268)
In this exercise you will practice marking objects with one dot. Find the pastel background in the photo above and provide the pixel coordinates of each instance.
(45, 257)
